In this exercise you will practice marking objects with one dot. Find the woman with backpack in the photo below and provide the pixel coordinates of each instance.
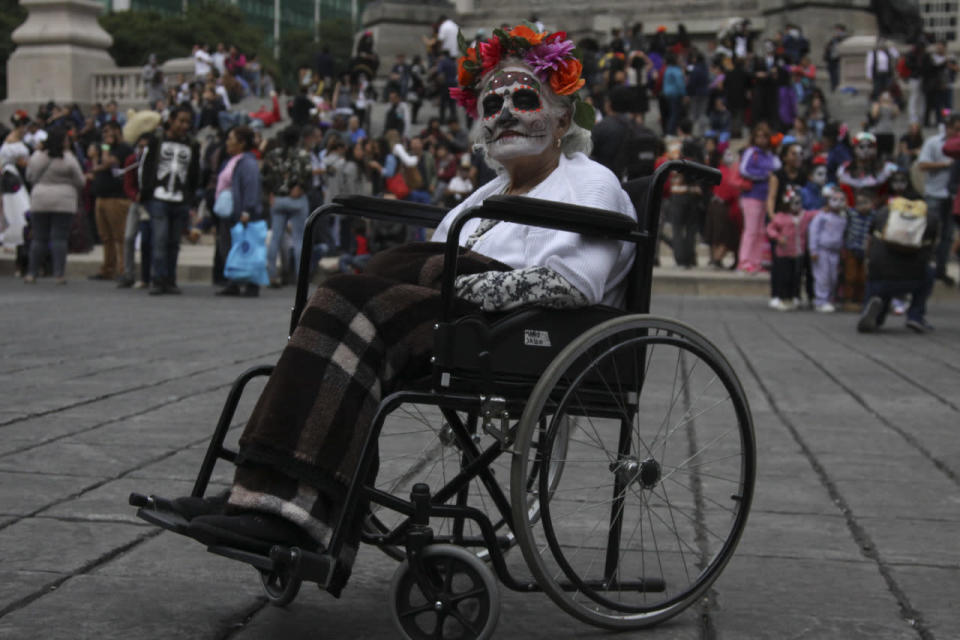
(57, 180)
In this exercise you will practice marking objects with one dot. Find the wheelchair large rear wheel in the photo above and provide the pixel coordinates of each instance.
(657, 477)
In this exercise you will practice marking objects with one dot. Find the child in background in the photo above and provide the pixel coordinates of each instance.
(813, 201)
(356, 259)
(788, 230)
(854, 248)
(825, 241)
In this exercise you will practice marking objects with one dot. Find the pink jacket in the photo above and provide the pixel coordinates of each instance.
(792, 230)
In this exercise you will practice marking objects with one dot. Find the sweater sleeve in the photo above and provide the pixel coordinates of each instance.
(504, 290)
(813, 233)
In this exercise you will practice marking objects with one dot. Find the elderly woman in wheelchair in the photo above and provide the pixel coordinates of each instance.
(626, 438)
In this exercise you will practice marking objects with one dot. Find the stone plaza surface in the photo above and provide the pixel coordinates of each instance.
(853, 531)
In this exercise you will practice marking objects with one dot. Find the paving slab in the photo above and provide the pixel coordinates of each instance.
(123, 608)
(80, 459)
(44, 544)
(24, 493)
(933, 591)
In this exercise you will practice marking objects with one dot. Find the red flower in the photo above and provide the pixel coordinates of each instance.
(465, 77)
(466, 98)
(566, 80)
(556, 36)
(490, 53)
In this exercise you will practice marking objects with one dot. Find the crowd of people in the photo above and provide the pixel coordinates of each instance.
(200, 165)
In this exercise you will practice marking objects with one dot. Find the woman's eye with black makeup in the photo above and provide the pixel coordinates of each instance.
(526, 100)
(491, 105)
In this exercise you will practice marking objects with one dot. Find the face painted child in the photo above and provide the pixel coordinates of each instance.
(836, 200)
(516, 121)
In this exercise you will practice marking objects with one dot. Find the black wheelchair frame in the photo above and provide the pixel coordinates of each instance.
(473, 389)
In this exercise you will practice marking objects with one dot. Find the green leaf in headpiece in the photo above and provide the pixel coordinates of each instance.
(461, 42)
(584, 114)
(577, 53)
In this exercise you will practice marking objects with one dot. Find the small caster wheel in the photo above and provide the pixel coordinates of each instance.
(281, 588)
(464, 598)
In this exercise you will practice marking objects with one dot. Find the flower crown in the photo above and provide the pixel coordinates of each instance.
(553, 58)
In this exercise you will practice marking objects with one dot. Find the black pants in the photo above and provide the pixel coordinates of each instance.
(786, 278)
(685, 218)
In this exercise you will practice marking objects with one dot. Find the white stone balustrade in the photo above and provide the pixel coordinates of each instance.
(123, 84)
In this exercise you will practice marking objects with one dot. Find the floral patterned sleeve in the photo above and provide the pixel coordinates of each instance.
(304, 170)
(503, 290)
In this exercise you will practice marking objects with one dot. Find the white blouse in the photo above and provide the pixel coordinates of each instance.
(595, 266)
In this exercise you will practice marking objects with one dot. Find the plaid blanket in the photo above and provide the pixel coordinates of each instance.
(358, 336)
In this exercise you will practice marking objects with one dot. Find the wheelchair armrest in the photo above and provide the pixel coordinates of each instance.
(390, 210)
(409, 213)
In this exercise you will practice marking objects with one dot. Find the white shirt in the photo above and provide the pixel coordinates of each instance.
(221, 91)
(201, 64)
(596, 267)
(884, 59)
(219, 61)
(447, 35)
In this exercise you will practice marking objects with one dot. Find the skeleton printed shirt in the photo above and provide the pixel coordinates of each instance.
(173, 161)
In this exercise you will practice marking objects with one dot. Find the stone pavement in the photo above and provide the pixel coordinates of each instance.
(853, 532)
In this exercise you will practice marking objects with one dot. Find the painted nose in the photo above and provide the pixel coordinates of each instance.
(507, 117)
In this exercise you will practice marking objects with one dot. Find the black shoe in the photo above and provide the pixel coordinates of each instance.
(251, 291)
(871, 312)
(232, 289)
(919, 326)
(946, 279)
(172, 289)
(124, 282)
(252, 530)
(98, 276)
(191, 507)
(157, 289)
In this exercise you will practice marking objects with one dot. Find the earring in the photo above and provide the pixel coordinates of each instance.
(558, 143)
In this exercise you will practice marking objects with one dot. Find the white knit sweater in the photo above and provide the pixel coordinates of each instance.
(594, 266)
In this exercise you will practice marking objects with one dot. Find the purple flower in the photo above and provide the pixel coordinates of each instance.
(546, 57)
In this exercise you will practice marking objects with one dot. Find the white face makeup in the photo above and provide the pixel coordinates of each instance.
(516, 122)
(837, 200)
(819, 175)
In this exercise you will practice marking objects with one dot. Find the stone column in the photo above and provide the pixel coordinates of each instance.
(59, 47)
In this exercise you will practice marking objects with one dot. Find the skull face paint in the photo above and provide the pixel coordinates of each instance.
(837, 201)
(516, 122)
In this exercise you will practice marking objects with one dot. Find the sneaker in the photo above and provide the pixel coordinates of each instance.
(124, 283)
(232, 289)
(825, 307)
(140, 285)
(774, 303)
(782, 305)
(919, 326)
(29, 280)
(871, 312)
(899, 306)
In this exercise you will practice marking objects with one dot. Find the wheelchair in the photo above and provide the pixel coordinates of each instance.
(610, 450)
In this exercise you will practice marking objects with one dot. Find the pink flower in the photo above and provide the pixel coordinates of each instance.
(466, 98)
(490, 53)
(546, 57)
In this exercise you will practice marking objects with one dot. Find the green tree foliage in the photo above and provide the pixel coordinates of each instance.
(11, 16)
(136, 34)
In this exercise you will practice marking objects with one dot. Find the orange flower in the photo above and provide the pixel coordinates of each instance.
(566, 79)
(528, 34)
(464, 77)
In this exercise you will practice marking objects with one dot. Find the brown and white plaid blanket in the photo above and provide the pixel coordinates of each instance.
(357, 338)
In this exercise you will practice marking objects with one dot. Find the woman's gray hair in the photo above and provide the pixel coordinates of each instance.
(575, 139)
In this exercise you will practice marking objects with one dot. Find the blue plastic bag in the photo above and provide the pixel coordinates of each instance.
(223, 206)
(247, 260)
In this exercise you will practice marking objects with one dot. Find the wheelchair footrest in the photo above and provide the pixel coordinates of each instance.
(644, 585)
(305, 565)
(152, 510)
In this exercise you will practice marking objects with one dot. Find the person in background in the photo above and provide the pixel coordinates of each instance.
(138, 221)
(757, 164)
(853, 254)
(169, 175)
(57, 179)
(936, 193)
(788, 231)
(287, 174)
(241, 176)
(825, 240)
(111, 202)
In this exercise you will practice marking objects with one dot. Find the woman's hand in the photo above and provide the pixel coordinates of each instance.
(244, 217)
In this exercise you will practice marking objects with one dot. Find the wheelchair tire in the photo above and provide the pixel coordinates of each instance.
(658, 475)
(464, 605)
(280, 588)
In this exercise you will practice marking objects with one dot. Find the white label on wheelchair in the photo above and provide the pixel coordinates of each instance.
(532, 338)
